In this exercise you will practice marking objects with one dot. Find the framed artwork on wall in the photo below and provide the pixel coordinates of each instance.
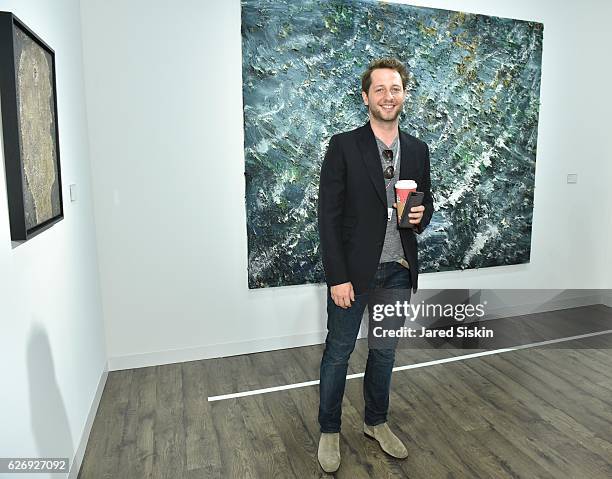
(29, 128)
(473, 96)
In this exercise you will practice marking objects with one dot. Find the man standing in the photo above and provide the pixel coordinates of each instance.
(362, 248)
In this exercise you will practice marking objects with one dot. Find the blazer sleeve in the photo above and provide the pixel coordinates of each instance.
(332, 187)
(427, 196)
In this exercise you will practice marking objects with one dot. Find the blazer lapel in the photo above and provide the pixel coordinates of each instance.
(408, 168)
(371, 158)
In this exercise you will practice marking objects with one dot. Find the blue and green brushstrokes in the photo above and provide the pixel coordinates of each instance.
(473, 96)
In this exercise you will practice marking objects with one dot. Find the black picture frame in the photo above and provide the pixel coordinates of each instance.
(29, 125)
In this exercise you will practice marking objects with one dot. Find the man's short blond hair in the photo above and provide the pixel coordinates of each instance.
(392, 63)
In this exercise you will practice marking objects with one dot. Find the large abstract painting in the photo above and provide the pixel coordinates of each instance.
(29, 119)
(473, 96)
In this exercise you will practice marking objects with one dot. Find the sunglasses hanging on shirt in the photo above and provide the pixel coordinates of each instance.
(389, 171)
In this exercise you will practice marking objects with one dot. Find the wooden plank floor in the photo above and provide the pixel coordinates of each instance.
(534, 413)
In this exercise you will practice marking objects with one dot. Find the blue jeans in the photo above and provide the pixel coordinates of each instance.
(342, 329)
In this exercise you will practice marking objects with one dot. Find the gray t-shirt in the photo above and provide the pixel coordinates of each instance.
(392, 248)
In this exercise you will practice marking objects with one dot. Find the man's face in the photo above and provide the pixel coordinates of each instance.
(386, 94)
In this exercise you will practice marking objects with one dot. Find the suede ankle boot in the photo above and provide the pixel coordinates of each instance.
(329, 451)
(388, 441)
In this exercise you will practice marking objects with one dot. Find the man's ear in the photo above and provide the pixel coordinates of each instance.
(365, 98)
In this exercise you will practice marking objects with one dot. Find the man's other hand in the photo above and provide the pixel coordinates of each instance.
(343, 294)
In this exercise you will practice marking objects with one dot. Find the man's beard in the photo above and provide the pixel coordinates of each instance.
(378, 113)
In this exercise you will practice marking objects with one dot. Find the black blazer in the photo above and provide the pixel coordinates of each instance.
(352, 209)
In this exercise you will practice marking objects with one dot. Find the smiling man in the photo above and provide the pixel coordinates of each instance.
(362, 248)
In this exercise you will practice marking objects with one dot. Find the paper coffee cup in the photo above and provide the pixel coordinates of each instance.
(403, 188)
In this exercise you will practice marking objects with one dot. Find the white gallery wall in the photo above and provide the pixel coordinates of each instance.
(52, 341)
(164, 102)
(150, 92)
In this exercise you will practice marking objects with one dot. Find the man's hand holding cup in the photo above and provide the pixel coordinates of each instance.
(403, 190)
(415, 215)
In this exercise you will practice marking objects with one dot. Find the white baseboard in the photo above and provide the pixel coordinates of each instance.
(80, 452)
(591, 298)
(214, 351)
(283, 342)
(606, 298)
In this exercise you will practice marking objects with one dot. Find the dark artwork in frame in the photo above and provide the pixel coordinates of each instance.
(29, 128)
